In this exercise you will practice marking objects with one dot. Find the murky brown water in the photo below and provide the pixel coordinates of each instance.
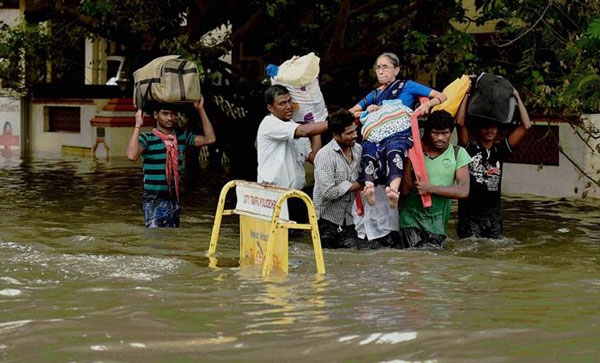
(81, 280)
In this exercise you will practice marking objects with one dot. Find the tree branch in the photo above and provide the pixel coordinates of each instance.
(339, 33)
(528, 30)
(578, 167)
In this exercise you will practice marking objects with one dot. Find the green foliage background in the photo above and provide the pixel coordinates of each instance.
(548, 48)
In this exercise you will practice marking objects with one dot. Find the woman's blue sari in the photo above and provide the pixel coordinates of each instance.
(391, 92)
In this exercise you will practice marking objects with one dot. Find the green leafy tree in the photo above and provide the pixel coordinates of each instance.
(347, 35)
(15, 44)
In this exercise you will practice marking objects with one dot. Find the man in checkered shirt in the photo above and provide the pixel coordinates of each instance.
(336, 173)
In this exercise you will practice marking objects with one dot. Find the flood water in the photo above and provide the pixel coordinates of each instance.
(81, 280)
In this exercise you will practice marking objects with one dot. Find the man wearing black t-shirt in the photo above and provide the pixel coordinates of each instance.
(479, 214)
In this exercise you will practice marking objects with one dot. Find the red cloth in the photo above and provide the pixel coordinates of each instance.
(359, 206)
(172, 159)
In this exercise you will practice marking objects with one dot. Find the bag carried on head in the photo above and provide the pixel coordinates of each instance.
(167, 79)
(492, 99)
(299, 71)
(300, 76)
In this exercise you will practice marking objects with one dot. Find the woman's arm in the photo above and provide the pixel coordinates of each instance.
(367, 103)
(356, 110)
(435, 98)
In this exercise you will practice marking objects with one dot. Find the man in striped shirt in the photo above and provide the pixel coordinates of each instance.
(336, 173)
(163, 154)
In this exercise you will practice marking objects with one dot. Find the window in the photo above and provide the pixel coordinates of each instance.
(114, 66)
(538, 147)
(63, 119)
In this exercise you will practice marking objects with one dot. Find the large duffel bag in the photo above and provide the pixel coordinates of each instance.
(167, 79)
(492, 99)
(309, 104)
(299, 71)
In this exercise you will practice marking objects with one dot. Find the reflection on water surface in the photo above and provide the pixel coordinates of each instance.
(82, 280)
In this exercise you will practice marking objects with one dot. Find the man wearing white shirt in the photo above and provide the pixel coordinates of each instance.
(278, 154)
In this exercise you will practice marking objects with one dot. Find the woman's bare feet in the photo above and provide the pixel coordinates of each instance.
(369, 192)
(393, 197)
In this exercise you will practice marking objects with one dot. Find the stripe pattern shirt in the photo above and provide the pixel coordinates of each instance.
(333, 178)
(154, 160)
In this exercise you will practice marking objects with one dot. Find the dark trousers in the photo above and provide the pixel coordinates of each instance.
(416, 238)
(161, 213)
(297, 210)
(485, 227)
(336, 236)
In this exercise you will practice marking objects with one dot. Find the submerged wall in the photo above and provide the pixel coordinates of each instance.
(564, 179)
(72, 129)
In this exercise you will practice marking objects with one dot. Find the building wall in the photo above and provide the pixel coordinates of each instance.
(557, 181)
(10, 127)
(99, 141)
(95, 61)
(111, 142)
(43, 141)
(592, 160)
(10, 16)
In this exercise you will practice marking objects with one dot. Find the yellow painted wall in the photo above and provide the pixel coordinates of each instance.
(470, 27)
(52, 142)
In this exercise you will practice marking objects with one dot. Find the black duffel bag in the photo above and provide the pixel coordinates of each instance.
(492, 99)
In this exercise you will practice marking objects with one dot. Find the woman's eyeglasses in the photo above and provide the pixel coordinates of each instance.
(384, 67)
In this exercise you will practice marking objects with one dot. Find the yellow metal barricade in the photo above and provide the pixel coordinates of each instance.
(264, 220)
